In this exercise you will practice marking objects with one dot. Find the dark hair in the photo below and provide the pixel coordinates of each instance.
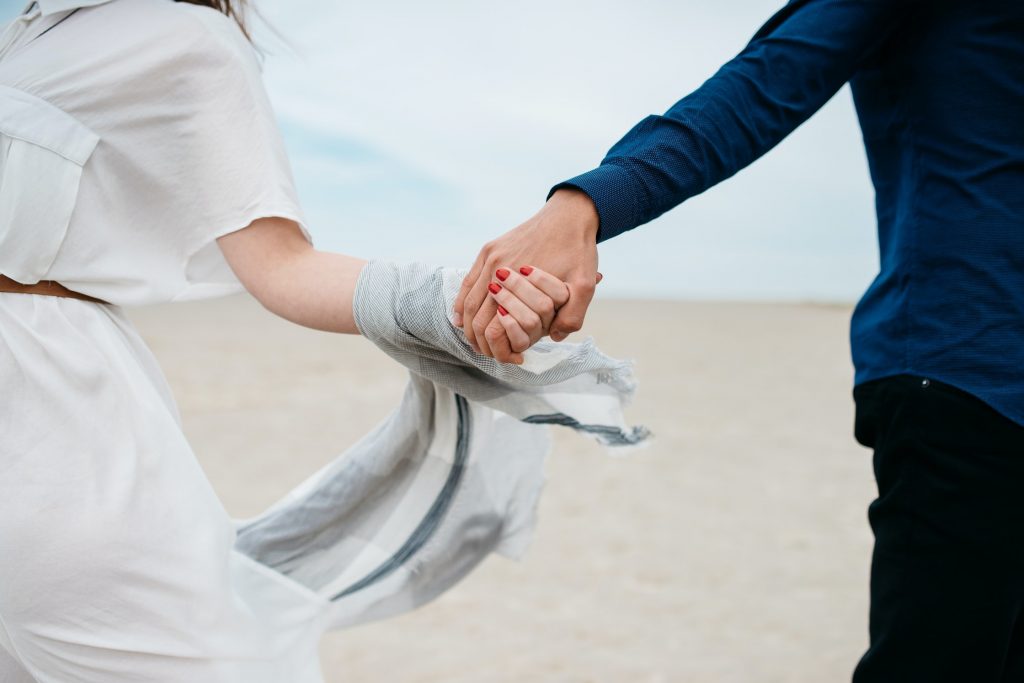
(233, 8)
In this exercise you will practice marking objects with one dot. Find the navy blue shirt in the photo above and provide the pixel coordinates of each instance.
(939, 91)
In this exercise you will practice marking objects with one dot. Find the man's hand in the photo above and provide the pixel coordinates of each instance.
(561, 239)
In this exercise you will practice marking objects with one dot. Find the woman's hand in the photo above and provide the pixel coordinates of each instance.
(527, 301)
(562, 238)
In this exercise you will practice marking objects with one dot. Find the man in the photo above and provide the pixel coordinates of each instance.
(938, 338)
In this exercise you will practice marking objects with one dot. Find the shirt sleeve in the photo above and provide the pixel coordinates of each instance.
(791, 67)
(228, 144)
(208, 147)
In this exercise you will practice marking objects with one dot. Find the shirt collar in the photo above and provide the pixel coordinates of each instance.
(48, 7)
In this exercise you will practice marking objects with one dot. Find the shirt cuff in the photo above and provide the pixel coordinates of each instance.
(613, 191)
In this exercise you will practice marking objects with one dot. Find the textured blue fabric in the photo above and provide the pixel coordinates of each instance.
(939, 91)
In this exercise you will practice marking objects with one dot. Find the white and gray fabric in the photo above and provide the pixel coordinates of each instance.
(453, 474)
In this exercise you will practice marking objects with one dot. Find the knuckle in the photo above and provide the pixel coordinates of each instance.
(585, 287)
(546, 309)
(571, 323)
(501, 351)
(493, 335)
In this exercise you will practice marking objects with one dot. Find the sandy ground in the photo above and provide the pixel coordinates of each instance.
(735, 548)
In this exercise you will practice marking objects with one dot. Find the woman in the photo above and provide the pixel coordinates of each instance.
(140, 163)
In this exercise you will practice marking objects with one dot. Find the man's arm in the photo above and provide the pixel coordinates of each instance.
(791, 67)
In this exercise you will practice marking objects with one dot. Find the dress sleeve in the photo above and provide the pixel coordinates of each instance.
(227, 145)
(791, 67)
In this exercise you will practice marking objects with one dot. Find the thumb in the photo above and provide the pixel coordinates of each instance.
(570, 316)
(458, 309)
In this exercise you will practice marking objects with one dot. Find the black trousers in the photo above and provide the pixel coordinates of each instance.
(947, 572)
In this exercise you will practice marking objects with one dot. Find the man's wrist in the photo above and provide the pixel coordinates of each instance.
(581, 207)
(616, 194)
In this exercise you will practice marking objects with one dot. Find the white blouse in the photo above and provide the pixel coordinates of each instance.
(131, 137)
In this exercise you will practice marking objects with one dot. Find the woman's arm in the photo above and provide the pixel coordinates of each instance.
(276, 264)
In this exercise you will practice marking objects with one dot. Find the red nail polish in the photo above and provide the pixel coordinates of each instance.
(501, 310)
(494, 288)
(502, 274)
(526, 270)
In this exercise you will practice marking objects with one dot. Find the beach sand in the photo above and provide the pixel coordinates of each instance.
(734, 549)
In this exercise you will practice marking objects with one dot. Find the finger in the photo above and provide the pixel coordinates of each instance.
(524, 315)
(467, 284)
(557, 290)
(484, 316)
(599, 278)
(570, 317)
(526, 291)
(475, 299)
(497, 339)
(517, 336)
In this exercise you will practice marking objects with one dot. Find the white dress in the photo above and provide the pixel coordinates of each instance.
(133, 133)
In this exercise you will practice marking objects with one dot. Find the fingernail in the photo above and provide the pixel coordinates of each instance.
(526, 270)
(494, 288)
(457, 319)
(501, 310)
(557, 336)
(502, 274)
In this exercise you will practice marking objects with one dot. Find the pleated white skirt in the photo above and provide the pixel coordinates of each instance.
(117, 560)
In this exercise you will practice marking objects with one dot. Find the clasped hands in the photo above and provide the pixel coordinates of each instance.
(538, 279)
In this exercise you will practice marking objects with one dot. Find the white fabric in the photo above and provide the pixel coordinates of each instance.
(132, 134)
(49, 7)
(116, 557)
(149, 119)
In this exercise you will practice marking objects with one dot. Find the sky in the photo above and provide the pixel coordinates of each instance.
(420, 130)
